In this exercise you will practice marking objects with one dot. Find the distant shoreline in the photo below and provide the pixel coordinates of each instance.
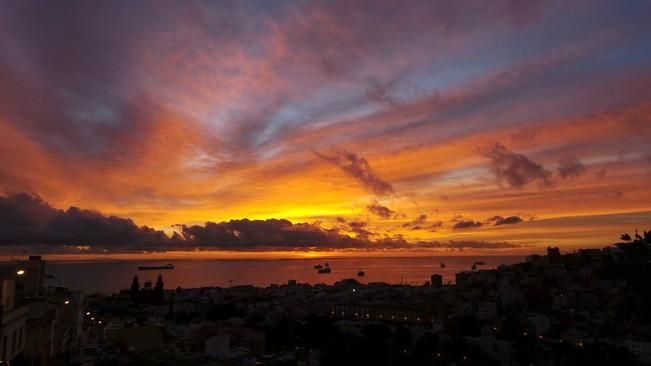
(147, 260)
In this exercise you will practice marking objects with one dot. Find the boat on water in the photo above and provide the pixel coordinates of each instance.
(442, 265)
(151, 268)
(474, 266)
(361, 273)
(318, 266)
(324, 270)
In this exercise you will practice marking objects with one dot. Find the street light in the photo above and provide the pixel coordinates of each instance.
(20, 272)
(66, 302)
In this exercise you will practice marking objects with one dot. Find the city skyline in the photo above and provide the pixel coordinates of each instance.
(299, 129)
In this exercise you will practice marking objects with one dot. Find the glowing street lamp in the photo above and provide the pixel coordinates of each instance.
(67, 302)
(20, 272)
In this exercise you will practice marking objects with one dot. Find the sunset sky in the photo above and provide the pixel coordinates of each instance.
(465, 126)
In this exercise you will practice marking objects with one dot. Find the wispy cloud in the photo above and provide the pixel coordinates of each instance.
(359, 168)
(466, 224)
(417, 223)
(570, 166)
(380, 211)
(153, 127)
(515, 169)
(509, 220)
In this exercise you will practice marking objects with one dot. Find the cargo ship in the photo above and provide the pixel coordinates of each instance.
(151, 268)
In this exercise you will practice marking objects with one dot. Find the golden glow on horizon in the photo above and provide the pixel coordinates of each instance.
(276, 255)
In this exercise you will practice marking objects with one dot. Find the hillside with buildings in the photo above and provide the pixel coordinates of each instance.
(586, 307)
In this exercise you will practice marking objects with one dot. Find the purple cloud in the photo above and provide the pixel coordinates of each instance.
(515, 169)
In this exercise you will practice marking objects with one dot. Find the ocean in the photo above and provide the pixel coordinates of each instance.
(112, 276)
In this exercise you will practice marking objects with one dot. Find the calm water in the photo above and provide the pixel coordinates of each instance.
(109, 277)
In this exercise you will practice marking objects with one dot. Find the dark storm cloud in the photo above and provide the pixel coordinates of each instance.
(359, 168)
(499, 220)
(272, 233)
(84, 227)
(381, 211)
(22, 217)
(570, 166)
(515, 169)
(26, 219)
(466, 224)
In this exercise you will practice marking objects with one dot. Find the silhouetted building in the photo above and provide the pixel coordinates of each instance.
(158, 289)
(13, 317)
(142, 338)
(135, 288)
(553, 255)
(159, 283)
(461, 278)
(32, 281)
(149, 293)
(436, 280)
